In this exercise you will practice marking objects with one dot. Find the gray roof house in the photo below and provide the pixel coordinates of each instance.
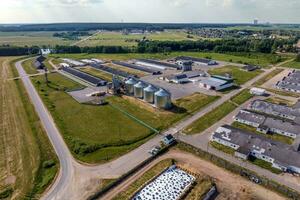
(246, 144)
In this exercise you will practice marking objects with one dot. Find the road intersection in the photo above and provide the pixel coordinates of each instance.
(77, 181)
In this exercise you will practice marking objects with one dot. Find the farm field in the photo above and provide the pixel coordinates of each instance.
(263, 60)
(28, 163)
(108, 38)
(31, 39)
(98, 138)
(240, 76)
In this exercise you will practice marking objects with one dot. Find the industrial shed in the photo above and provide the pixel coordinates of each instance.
(216, 83)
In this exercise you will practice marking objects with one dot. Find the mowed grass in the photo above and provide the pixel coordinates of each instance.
(145, 178)
(264, 60)
(28, 163)
(100, 133)
(113, 38)
(97, 73)
(210, 118)
(242, 97)
(292, 64)
(268, 77)
(240, 76)
(29, 67)
(31, 39)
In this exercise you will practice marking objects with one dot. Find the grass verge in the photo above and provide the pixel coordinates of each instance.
(210, 118)
(264, 164)
(267, 77)
(240, 76)
(223, 148)
(242, 97)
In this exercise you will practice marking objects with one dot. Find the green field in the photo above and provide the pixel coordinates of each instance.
(29, 66)
(267, 77)
(263, 60)
(31, 39)
(210, 118)
(275, 137)
(292, 64)
(104, 132)
(108, 38)
(28, 163)
(240, 76)
(242, 97)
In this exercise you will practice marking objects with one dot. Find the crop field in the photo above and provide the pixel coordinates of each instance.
(28, 163)
(104, 132)
(264, 60)
(31, 39)
(240, 76)
(118, 39)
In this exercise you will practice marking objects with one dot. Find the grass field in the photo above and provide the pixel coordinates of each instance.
(98, 138)
(240, 76)
(267, 77)
(31, 39)
(29, 67)
(210, 118)
(28, 163)
(275, 137)
(293, 64)
(263, 60)
(242, 97)
(146, 177)
(107, 38)
(222, 147)
(98, 73)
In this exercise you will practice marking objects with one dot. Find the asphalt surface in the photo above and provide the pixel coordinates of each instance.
(77, 181)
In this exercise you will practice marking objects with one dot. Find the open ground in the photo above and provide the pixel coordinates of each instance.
(28, 163)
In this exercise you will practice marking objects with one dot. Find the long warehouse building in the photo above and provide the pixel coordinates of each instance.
(156, 64)
(138, 67)
(92, 80)
(112, 71)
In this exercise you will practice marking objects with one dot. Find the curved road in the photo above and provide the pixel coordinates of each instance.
(78, 181)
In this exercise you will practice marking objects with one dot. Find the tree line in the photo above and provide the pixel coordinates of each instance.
(221, 46)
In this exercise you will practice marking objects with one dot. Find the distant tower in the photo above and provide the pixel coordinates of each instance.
(255, 22)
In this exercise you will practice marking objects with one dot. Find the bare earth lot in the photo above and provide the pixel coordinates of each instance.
(230, 186)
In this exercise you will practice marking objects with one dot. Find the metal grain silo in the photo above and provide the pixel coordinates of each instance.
(162, 99)
(130, 85)
(149, 93)
(139, 89)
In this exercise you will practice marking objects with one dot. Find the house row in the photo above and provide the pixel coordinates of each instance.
(266, 124)
(291, 82)
(282, 111)
(247, 144)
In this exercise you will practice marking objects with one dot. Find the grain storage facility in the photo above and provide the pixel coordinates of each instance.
(130, 85)
(139, 89)
(162, 99)
(149, 93)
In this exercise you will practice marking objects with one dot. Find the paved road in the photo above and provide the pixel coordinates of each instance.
(77, 181)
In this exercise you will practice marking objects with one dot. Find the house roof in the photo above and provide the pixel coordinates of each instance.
(188, 58)
(270, 108)
(250, 117)
(214, 82)
(282, 153)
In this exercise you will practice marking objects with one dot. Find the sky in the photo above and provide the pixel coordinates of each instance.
(151, 11)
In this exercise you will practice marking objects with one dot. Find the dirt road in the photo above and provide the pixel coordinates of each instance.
(230, 186)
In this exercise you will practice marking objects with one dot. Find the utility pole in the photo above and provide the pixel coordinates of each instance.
(46, 75)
